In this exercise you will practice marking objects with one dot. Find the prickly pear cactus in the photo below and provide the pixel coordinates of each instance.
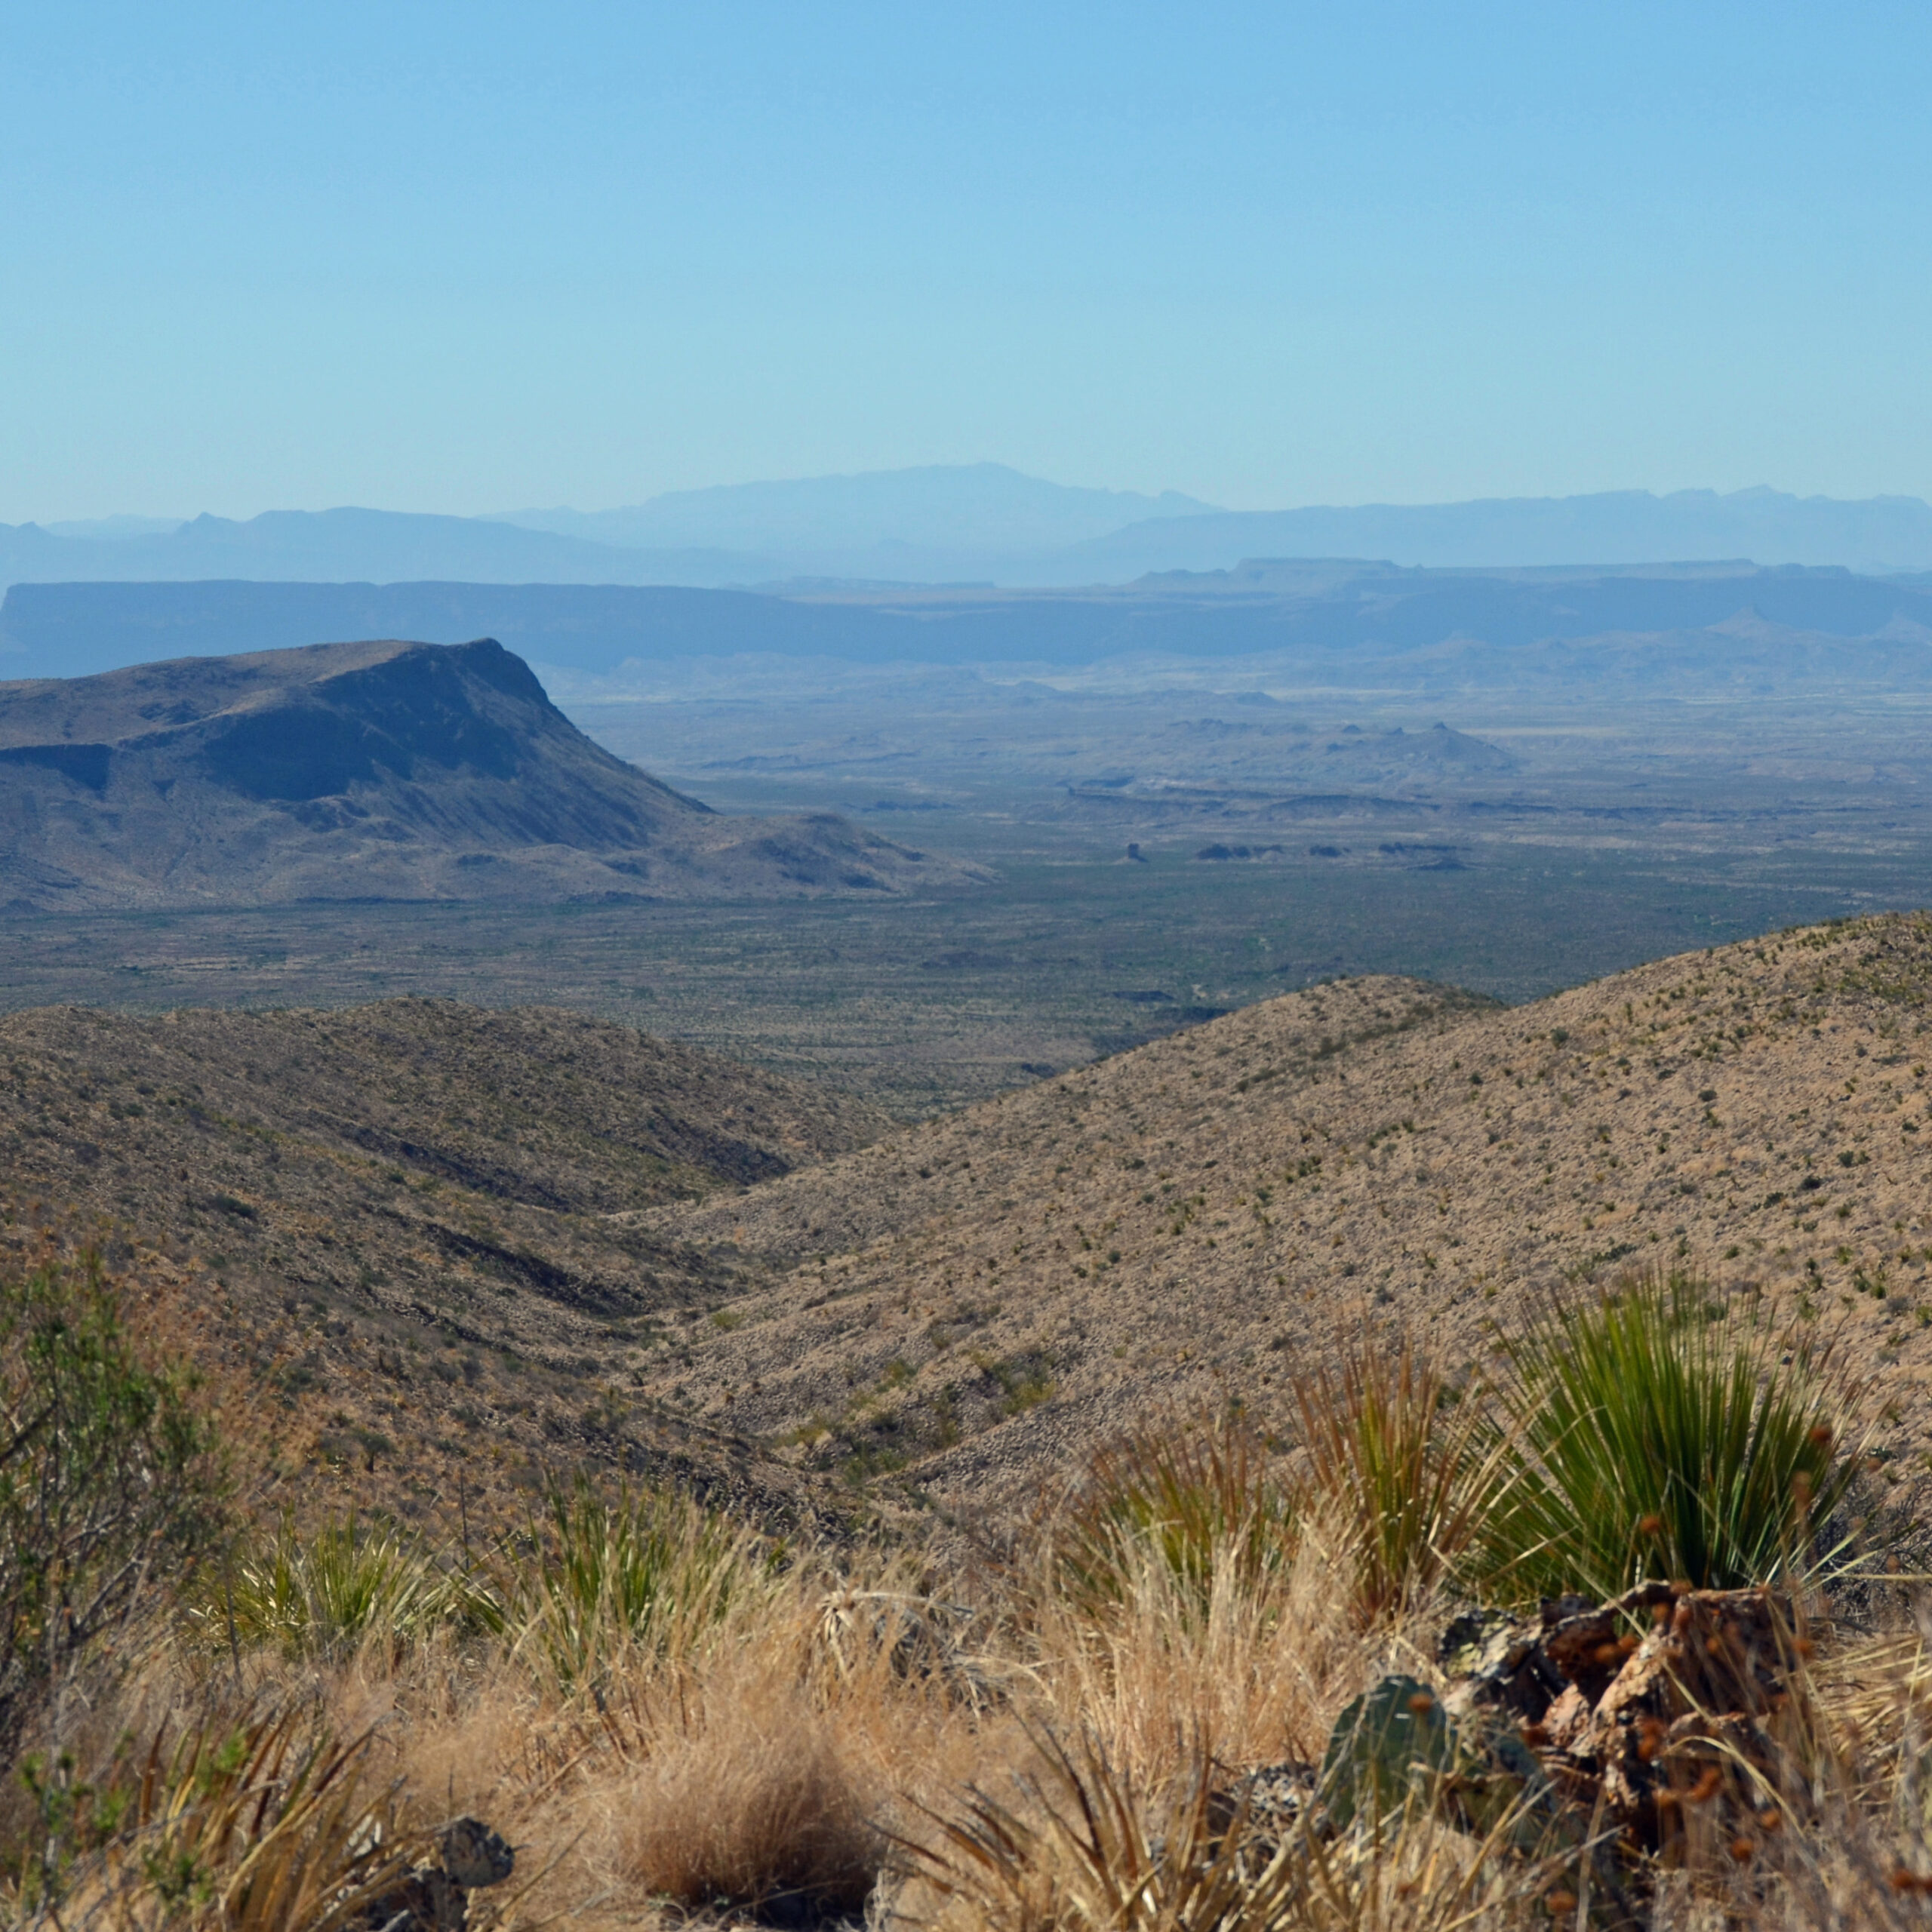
(1394, 1737)
(1396, 1745)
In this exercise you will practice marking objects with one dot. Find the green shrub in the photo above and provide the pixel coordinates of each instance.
(1654, 1434)
(109, 1478)
(267, 1824)
(346, 1586)
(1202, 1493)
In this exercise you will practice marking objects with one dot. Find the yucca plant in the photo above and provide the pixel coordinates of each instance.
(1401, 1465)
(346, 1585)
(605, 1579)
(1200, 1494)
(265, 1826)
(1656, 1433)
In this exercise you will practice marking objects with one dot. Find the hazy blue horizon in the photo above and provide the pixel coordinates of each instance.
(985, 523)
(123, 524)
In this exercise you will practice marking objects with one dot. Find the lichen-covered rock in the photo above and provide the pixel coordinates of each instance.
(434, 1896)
(1266, 1805)
(1566, 1724)
(428, 1900)
(1698, 1710)
(1499, 1662)
(474, 1855)
(1672, 1711)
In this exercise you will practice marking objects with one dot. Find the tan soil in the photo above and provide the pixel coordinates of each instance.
(986, 1296)
(394, 1225)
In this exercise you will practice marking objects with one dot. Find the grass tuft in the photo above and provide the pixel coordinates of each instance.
(1402, 1465)
(1200, 1495)
(606, 1582)
(760, 1809)
(1653, 1433)
(264, 1826)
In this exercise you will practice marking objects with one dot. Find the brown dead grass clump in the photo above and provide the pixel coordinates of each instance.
(1258, 1668)
(762, 1808)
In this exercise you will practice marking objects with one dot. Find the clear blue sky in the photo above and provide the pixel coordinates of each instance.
(478, 257)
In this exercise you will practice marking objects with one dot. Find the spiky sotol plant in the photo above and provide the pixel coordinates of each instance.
(646, 1573)
(1199, 1493)
(1401, 1463)
(1659, 1432)
(345, 1586)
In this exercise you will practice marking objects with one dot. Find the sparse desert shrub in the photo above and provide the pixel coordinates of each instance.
(1401, 1465)
(343, 1587)
(1198, 1494)
(109, 1478)
(1654, 1433)
(259, 1827)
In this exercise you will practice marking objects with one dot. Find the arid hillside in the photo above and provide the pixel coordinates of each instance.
(443, 1251)
(391, 1229)
(966, 1306)
(370, 771)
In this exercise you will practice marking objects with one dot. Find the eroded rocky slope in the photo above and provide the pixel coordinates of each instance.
(447, 1251)
(399, 1231)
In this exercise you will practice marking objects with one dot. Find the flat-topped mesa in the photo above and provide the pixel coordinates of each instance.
(378, 770)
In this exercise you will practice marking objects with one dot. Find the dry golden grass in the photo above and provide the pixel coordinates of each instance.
(1255, 1673)
(757, 1806)
(851, 1738)
(1076, 1842)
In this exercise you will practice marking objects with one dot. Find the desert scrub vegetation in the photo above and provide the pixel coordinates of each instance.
(1650, 1432)
(1167, 1702)
(1191, 1498)
(1658, 1432)
(110, 1483)
(343, 1586)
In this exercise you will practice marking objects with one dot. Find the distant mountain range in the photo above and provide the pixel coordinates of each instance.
(980, 522)
(981, 509)
(349, 546)
(1680, 628)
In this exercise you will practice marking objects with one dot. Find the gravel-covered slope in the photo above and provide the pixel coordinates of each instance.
(980, 1299)
(399, 1224)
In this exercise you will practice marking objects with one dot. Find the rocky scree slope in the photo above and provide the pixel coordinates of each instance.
(967, 1307)
(373, 770)
(393, 1229)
